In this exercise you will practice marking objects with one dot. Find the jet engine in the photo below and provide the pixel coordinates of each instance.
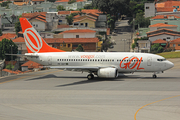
(107, 73)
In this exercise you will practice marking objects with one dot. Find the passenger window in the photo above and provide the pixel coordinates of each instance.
(57, 59)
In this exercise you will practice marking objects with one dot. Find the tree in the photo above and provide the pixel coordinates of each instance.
(69, 19)
(60, 8)
(106, 44)
(111, 21)
(133, 46)
(51, 0)
(156, 48)
(80, 48)
(88, 6)
(112, 7)
(71, 1)
(17, 27)
(5, 48)
(1, 32)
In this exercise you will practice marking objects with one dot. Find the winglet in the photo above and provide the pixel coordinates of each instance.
(34, 42)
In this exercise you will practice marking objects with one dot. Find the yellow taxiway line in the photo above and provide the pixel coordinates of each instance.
(153, 103)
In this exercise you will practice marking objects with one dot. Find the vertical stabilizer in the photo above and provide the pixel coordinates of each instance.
(34, 42)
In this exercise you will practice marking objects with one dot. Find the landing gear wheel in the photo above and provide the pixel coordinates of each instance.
(154, 76)
(90, 76)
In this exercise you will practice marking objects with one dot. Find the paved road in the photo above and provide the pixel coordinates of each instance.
(122, 37)
(62, 95)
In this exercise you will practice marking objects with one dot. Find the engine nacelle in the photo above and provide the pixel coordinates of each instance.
(107, 73)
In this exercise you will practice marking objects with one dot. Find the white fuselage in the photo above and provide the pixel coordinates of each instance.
(123, 61)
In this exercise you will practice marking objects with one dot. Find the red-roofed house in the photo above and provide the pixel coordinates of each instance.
(43, 21)
(69, 44)
(175, 44)
(164, 34)
(30, 65)
(85, 21)
(79, 33)
(20, 42)
(162, 25)
(8, 36)
(167, 6)
(166, 19)
(39, 22)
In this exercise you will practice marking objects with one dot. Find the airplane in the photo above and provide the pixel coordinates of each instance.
(102, 64)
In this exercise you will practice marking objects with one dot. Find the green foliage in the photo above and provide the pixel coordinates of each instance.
(170, 54)
(134, 8)
(111, 21)
(112, 7)
(51, 0)
(106, 44)
(69, 19)
(74, 14)
(60, 8)
(5, 47)
(160, 49)
(142, 38)
(141, 21)
(71, 1)
(9, 66)
(80, 48)
(88, 6)
(5, 4)
(100, 38)
(17, 27)
(156, 48)
(133, 46)
(1, 32)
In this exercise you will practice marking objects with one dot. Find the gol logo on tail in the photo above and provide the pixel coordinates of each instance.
(130, 65)
(33, 40)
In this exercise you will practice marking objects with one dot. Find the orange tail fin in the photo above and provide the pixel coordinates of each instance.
(34, 42)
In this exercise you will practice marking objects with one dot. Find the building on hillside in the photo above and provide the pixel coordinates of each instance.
(164, 34)
(70, 44)
(37, 2)
(79, 33)
(161, 26)
(79, 4)
(43, 21)
(20, 42)
(144, 46)
(168, 6)
(150, 9)
(8, 36)
(30, 65)
(175, 44)
(166, 19)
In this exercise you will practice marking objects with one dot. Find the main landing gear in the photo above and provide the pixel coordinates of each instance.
(90, 76)
(154, 76)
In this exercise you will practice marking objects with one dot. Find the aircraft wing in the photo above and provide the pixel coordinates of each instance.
(77, 68)
(21, 55)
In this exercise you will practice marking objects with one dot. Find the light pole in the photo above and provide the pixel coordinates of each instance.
(11, 56)
(124, 43)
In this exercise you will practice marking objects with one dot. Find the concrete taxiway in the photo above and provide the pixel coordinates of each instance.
(63, 95)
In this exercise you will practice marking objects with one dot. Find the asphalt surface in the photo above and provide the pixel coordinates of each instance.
(122, 37)
(63, 95)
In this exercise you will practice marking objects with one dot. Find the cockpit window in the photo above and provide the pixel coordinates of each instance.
(161, 59)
